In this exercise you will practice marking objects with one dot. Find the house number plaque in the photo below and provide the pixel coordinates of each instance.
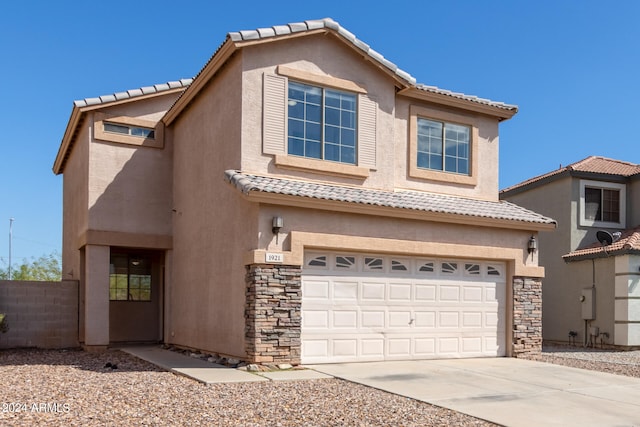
(274, 258)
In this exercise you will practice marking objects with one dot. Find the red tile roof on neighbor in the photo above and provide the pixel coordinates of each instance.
(592, 164)
(629, 242)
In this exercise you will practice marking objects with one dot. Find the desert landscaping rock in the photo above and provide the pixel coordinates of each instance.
(75, 388)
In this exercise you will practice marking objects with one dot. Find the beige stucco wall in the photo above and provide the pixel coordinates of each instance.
(563, 284)
(213, 227)
(130, 186)
(326, 56)
(633, 203)
(75, 197)
(560, 311)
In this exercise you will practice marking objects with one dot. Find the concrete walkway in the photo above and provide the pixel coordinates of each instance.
(507, 391)
(211, 373)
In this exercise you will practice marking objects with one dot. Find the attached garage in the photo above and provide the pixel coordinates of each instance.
(361, 307)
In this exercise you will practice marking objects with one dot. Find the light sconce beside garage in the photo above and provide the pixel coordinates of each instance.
(276, 224)
(533, 245)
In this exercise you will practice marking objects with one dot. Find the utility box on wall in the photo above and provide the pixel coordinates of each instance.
(588, 300)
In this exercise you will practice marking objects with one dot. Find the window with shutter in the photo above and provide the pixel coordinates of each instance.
(313, 122)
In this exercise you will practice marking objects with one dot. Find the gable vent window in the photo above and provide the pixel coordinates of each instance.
(129, 130)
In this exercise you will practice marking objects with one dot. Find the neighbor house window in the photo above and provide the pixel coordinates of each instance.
(321, 123)
(129, 130)
(602, 204)
(130, 278)
(443, 146)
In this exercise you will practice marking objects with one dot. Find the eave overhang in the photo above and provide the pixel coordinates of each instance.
(280, 191)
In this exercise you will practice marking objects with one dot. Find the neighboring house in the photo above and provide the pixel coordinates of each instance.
(303, 200)
(590, 289)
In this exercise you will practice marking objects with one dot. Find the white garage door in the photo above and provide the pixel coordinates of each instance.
(374, 307)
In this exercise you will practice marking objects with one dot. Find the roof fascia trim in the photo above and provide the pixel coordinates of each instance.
(200, 81)
(69, 133)
(466, 104)
(77, 114)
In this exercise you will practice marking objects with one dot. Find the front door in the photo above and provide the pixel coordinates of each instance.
(135, 294)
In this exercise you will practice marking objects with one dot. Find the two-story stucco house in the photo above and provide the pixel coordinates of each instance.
(302, 199)
(591, 294)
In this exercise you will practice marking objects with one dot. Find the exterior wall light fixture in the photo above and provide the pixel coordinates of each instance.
(532, 245)
(276, 224)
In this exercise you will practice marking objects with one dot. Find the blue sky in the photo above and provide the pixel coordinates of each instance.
(570, 66)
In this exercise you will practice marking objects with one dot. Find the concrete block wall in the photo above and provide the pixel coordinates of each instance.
(39, 314)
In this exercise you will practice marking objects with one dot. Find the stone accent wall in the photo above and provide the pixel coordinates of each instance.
(527, 316)
(273, 314)
(39, 314)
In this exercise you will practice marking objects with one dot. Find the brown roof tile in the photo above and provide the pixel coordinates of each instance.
(592, 164)
(629, 242)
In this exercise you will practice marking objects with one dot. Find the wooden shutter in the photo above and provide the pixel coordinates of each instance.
(367, 123)
(274, 114)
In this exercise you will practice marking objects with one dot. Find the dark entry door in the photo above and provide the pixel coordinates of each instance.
(135, 287)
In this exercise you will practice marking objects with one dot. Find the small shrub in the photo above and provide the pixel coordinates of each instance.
(4, 327)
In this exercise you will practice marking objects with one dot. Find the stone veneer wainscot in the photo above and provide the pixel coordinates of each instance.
(273, 313)
(527, 316)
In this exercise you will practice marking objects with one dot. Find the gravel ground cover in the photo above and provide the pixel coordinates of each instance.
(611, 361)
(75, 388)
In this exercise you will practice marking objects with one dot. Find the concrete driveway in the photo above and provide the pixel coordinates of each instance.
(507, 391)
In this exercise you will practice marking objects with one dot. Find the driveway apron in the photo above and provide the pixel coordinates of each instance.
(507, 391)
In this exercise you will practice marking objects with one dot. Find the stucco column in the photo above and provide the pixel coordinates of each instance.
(96, 305)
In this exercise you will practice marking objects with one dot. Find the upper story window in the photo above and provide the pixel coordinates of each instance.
(129, 130)
(321, 123)
(443, 146)
(602, 204)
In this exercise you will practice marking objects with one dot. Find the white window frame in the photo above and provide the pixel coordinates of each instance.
(584, 222)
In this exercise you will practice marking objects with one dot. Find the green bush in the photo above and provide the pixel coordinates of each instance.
(4, 327)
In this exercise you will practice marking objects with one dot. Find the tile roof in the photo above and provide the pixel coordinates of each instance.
(629, 242)
(591, 164)
(410, 200)
(132, 93)
(328, 23)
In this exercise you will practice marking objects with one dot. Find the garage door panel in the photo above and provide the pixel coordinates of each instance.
(315, 319)
(345, 347)
(372, 347)
(472, 294)
(370, 312)
(472, 319)
(373, 291)
(316, 289)
(449, 293)
(399, 319)
(400, 292)
(373, 319)
(399, 347)
(425, 347)
(425, 293)
(449, 319)
(424, 319)
(345, 290)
